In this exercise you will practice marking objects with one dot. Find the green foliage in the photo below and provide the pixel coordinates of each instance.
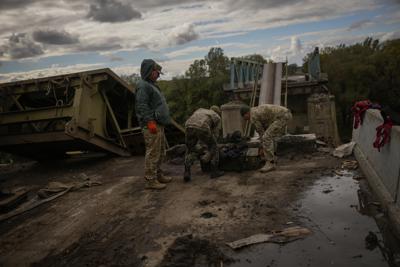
(256, 57)
(201, 86)
(367, 70)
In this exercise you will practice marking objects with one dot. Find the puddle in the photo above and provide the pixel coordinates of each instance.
(331, 209)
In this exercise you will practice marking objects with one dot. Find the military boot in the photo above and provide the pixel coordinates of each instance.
(269, 166)
(187, 176)
(154, 184)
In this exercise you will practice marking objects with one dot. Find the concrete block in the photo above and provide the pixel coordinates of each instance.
(300, 143)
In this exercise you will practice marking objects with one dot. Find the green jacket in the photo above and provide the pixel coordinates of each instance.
(150, 102)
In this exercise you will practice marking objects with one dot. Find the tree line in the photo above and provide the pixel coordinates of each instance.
(365, 70)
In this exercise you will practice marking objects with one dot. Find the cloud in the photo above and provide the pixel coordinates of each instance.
(390, 36)
(46, 72)
(163, 3)
(105, 45)
(54, 37)
(183, 34)
(295, 45)
(20, 46)
(258, 4)
(113, 57)
(359, 24)
(112, 11)
(11, 4)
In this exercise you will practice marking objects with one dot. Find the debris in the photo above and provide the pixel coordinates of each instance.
(11, 200)
(320, 143)
(191, 251)
(286, 235)
(350, 164)
(56, 187)
(208, 215)
(344, 150)
(327, 191)
(49, 193)
(33, 203)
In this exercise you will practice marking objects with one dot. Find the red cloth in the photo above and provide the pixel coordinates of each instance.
(358, 111)
(383, 134)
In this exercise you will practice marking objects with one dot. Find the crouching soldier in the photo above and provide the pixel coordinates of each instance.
(269, 122)
(203, 126)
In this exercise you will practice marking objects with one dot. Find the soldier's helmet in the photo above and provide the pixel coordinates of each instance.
(216, 109)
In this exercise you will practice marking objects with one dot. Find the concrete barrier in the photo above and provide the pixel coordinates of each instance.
(381, 168)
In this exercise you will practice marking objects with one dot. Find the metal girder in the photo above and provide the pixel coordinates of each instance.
(244, 72)
(36, 115)
(34, 138)
(66, 111)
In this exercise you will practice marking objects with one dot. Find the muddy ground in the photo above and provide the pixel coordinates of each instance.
(119, 223)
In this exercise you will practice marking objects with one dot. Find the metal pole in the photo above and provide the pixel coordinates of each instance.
(286, 81)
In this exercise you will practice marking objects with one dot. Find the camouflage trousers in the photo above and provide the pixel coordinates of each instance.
(274, 130)
(155, 152)
(205, 137)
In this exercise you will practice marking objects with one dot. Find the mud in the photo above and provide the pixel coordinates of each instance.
(192, 251)
(121, 224)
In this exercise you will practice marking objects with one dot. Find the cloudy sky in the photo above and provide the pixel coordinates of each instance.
(48, 37)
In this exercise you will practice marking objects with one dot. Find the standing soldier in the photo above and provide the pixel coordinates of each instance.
(269, 122)
(203, 126)
(153, 114)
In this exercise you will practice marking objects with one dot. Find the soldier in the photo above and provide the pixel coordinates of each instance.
(203, 126)
(153, 114)
(269, 122)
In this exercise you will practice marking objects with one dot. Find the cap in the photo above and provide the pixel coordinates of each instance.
(216, 109)
(158, 68)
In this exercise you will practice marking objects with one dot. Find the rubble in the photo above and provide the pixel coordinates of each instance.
(284, 236)
(344, 150)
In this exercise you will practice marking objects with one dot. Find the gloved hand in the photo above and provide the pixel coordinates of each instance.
(152, 126)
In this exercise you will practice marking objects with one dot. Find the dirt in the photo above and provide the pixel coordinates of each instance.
(121, 224)
(192, 251)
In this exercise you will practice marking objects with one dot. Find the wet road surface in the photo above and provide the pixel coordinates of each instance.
(330, 208)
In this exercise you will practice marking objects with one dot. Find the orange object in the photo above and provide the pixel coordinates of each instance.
(152, 126)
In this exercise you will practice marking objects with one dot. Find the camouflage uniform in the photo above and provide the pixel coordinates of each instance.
(155, 152)
(270, 122)
(204, 126)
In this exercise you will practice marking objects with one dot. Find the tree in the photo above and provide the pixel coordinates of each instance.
(366, 70)
(256, 57)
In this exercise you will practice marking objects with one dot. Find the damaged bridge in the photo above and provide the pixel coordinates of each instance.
(85, 111)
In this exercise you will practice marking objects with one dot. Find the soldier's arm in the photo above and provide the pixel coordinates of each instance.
(257, 125)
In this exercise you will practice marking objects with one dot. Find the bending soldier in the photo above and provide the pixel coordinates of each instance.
(269, 122)
(203, 126)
